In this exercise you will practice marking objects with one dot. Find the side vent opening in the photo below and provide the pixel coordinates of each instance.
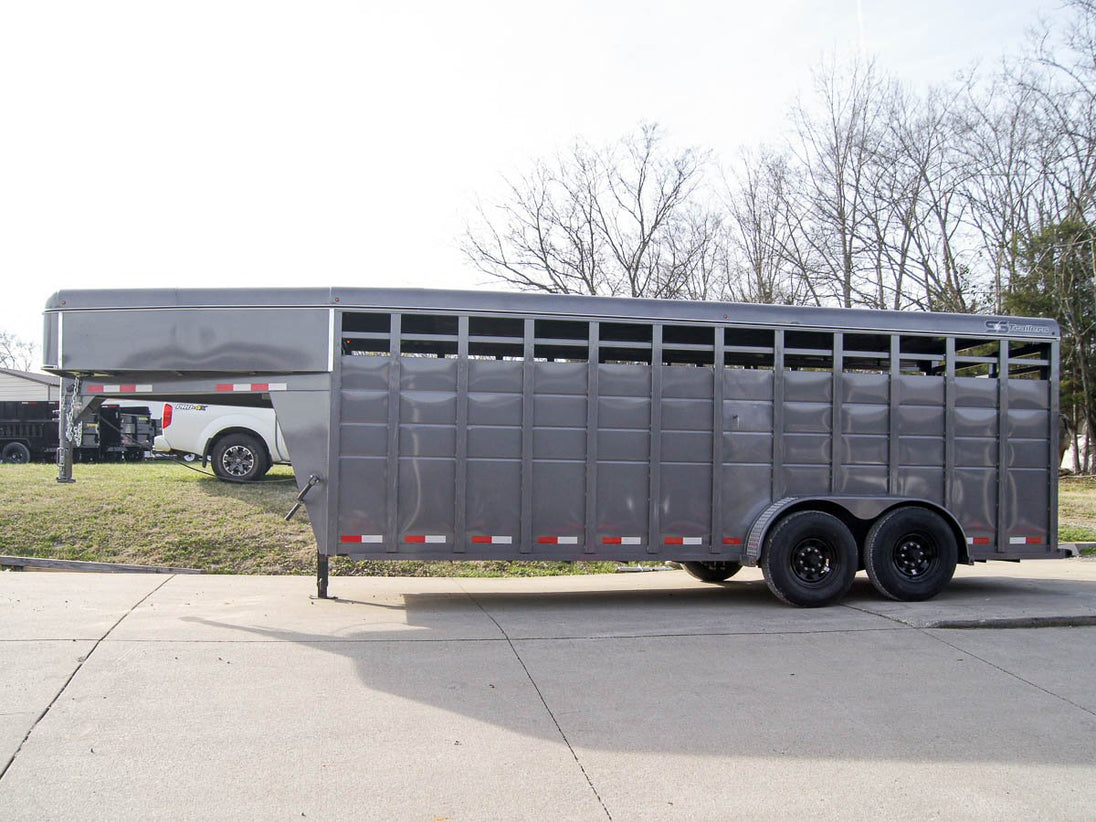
(561, 340)
(748, 348)
(366, 334)
(688, 345)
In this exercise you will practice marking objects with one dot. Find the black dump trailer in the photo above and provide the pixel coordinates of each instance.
(29, 433)
(814, 442)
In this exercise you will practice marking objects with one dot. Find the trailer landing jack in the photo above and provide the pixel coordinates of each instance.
(321, 576)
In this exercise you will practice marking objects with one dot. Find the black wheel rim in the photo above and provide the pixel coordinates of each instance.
(813, 560)
(915, 555)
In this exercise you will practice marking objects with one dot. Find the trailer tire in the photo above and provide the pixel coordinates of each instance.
(712, 571)
(15, 453)
(910, 554)
(239, 458)
(809, 559)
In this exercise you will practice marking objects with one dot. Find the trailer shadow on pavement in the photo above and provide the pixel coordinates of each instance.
(714, 669)
(561, 697)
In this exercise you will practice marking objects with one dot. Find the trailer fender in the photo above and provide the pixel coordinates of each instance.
(857, 512)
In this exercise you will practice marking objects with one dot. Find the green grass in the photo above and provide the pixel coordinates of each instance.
(162, 513)
(1077, 510)
(1072, 533)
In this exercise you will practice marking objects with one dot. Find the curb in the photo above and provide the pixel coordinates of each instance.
(1074, 548)
(1016, 622)
(42, 563)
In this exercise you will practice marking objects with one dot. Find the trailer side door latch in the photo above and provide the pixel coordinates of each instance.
(312, 481)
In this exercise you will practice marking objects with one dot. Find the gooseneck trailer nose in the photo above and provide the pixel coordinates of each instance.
(468, 425)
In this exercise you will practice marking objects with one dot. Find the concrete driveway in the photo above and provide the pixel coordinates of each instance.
(632, 696)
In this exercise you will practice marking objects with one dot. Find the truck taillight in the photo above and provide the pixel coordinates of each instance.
(167, 415)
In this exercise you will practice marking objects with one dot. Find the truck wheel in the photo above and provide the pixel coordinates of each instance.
(910, 554)
(809, 559)
(15, 453)
(239, 458)
(712, 571)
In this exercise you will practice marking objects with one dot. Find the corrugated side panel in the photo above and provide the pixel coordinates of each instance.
(747, 448)
(686, 477)
(974, 494)
(427, 454)
(363, 432)
(1027, 481)
(623, 448)
(808, 429)
(864, 445)
(494, 451)
(559, 454)
(921, 430)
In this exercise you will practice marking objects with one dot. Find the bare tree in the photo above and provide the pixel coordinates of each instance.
(1000, 141)
(15, 353)
(835, 133)
(760, 229)
(627, 219)
(1068, 96)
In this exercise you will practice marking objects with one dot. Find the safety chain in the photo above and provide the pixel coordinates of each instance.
(73, 430)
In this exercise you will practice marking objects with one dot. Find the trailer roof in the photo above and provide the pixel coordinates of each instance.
(497, 302)
(44, 379)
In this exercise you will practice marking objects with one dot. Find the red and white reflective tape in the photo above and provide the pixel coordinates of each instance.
(732, 540)
(978, 540)
(557, 540)
(621, 541)
(251, 386)
(118, 389)
(483, 539)
(429, 538)
(134, 388)
(369, 538)
(683, 541)
(1025, 540)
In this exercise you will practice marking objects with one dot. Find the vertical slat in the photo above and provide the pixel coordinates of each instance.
(392, 537)
(1053, 377)
(836, 435)
(715, 544)
(460, 498)
(654, 527)
(894, 397)
(334, 444)
(778, 414)
(949, 424)
(1002, 444)
(591, 440)
(527, 375)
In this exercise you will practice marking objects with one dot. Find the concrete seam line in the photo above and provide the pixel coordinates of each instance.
(75, 671)
(895, 620)
(1007, 672)
(925, 631)
(543, 701)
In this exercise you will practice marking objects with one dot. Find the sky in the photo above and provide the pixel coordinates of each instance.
(252, 144)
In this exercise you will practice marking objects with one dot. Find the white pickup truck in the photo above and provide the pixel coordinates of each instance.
(241, 443)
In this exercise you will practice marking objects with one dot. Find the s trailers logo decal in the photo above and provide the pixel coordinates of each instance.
(1006, 327)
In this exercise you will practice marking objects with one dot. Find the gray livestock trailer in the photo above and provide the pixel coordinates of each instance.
(467, 425)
